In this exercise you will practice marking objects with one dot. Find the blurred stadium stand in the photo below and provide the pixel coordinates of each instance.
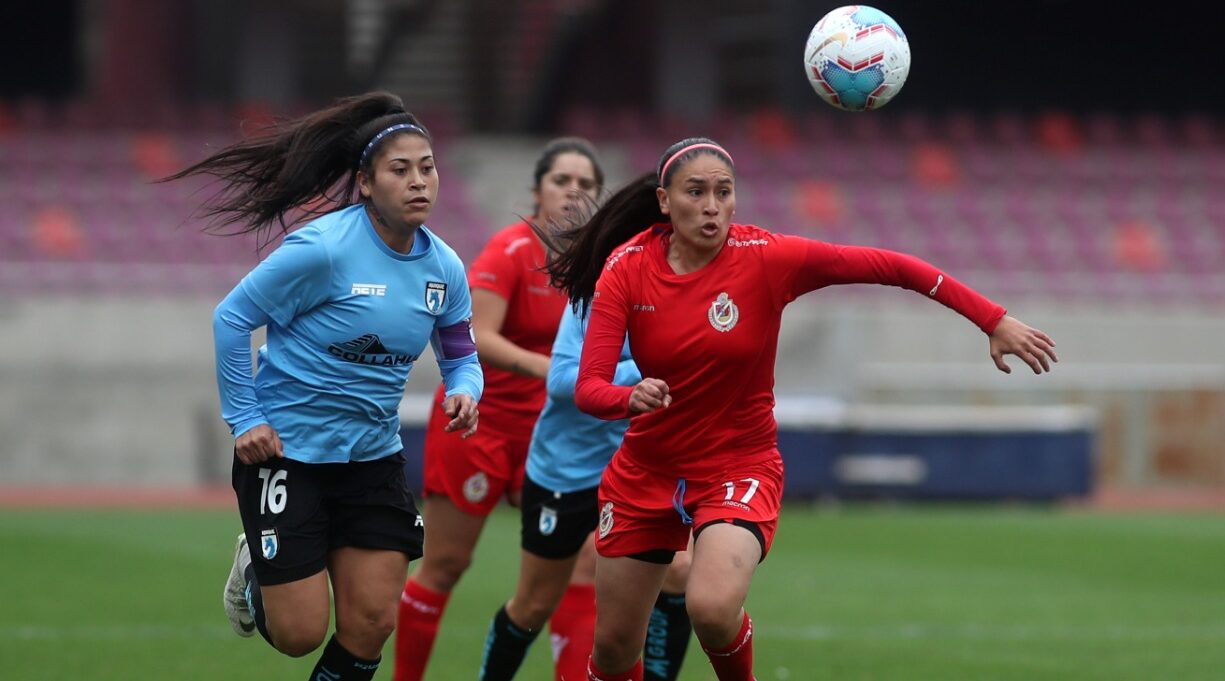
(1103, 225)
(1118, 209)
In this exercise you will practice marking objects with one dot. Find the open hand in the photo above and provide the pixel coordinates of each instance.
(1012, 337)
(462, 410)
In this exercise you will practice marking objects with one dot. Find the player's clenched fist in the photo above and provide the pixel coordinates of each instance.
(258, 445)
(650, 394)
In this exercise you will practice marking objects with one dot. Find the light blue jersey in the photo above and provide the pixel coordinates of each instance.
(347, 317)
(570, 449)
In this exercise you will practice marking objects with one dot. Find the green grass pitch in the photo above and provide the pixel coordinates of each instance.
(857, 594)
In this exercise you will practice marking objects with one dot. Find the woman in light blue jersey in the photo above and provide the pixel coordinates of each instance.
(350, 300)
(567, 456)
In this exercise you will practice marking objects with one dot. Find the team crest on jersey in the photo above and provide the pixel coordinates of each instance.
(606, 519)
(435, 296)
(723, 313)
(548, 520)
(476, 487)
(269, 544)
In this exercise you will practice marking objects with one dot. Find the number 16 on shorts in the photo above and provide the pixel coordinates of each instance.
(273, 494)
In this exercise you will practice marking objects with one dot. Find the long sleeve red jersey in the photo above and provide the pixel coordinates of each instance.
(712, 336)
(511, 265)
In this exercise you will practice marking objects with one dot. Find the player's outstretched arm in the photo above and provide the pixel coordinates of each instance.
(1013, 337)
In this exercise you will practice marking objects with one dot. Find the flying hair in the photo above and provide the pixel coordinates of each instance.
(296, 170)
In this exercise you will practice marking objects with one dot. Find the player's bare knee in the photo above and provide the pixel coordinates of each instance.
(298, 641)
(443, 571)
(713, 615)
(533, 613)
(451, 569)
(365, 639)
(381, 626)
(618, 646)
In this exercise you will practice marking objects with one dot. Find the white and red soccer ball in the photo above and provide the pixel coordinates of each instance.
(857, 58)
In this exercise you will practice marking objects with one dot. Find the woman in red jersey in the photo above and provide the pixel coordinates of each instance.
(702, 299)
(515, 313)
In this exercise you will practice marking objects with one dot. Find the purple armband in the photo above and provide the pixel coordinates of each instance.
(455, 341)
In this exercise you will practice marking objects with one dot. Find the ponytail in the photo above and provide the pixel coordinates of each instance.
(579, 253)
(302, 168)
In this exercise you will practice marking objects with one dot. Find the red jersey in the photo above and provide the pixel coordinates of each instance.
(712, 336)
(511, 265)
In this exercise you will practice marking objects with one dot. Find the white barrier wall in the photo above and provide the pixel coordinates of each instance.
(122, 391)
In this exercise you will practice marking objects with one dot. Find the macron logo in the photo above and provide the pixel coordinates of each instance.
(369, 289)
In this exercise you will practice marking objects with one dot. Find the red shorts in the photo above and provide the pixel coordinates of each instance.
(638, 508)
(475, 473)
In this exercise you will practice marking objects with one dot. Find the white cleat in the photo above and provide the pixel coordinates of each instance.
(235, 596)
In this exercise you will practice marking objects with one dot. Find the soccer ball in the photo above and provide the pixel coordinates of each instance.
(857, 58)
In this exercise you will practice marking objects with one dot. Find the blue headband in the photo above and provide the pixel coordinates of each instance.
(387, 131)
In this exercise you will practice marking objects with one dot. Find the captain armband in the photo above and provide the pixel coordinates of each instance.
(455, 341)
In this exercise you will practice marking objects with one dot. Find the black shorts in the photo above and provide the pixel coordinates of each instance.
(555, 524)
(296, 513)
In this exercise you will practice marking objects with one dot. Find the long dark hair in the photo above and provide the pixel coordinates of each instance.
(579, 253)
(299, 169)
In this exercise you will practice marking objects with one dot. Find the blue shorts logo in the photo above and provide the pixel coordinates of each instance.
(548, 521)
(268, 544)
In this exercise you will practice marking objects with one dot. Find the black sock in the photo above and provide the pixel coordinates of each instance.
(256, 602)
(667, 638)
(505, 647)
(338, 664)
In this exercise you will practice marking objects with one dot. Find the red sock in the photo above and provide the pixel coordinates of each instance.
(420, 611)
(572, 632)
(634, 674)
(735, 662)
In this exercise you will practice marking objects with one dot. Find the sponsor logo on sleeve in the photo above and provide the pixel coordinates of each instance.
(616, 257)
(517, 244)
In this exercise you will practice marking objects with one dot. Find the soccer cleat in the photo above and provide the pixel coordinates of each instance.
(237, 609)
